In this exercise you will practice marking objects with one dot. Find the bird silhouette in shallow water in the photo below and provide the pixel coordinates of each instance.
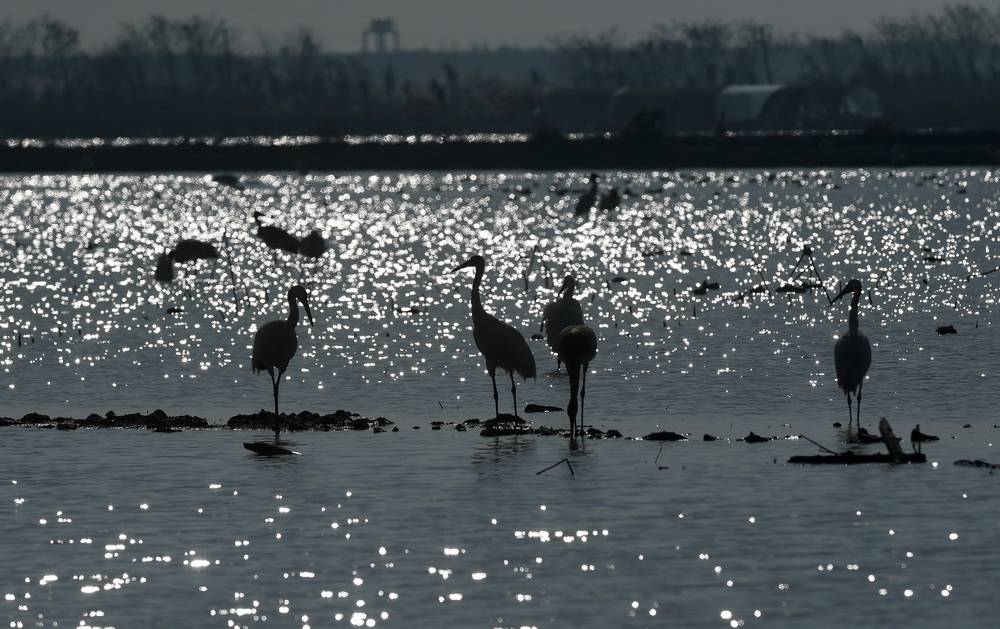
(275, 343)
(610, 200)
(563, 312)
(313, 245)
(577, 347)
(164, 267)
(500, 344)
(275, 237)
(852, 355)
(191, 249)
(918, 438)
(588, 198)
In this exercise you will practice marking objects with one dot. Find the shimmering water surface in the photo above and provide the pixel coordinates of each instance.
(421, 527)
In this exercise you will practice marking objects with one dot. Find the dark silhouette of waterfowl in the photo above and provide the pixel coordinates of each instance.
(577, 346)
(563, 312)
(610, 200)
(275, 343)
(191, 249)
(164, 267)
(500, 344)
(586, 201)
(313, 245)
(275, 237)
(917, 437)
(852, 354)
(227, 179)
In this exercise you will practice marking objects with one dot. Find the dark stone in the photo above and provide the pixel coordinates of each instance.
(538, 408)
(664, 435)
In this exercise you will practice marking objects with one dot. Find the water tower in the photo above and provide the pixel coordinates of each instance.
(381, 29)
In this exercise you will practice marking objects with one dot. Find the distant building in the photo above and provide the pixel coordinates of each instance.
(381, 29)
(704, 109)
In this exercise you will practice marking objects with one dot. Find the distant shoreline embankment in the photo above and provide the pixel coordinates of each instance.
(805, 150)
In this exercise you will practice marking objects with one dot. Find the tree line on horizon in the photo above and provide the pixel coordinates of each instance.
(199, 77)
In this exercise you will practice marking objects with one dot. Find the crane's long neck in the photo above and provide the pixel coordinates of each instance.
(852, 317)
(293, 313)
(477, 302)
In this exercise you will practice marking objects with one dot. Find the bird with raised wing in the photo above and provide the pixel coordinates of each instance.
(577, 347)
(852, 355)
(561, 313)
(500, 344)
(275, 343)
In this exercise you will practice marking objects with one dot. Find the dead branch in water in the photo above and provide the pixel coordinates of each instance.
(566, 461)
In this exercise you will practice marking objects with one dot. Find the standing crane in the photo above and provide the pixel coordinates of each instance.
(852, 355)
(563, 312)
(577, 347)
(500, 344)
(275, 343)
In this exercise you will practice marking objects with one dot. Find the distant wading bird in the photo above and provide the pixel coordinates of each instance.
(500, 344)
(275, 237)
(588, 198)
(577, 347)
(313, 245)
(276, 343)
(852, 355)
(561, 313)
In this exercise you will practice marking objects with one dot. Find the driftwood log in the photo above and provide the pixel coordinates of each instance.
(895, 454)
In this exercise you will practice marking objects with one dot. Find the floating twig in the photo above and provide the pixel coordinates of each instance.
(821, 447)
(566, 461)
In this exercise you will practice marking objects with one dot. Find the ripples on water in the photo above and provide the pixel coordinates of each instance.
(116, 529)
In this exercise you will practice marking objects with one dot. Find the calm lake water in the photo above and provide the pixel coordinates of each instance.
(424, 527)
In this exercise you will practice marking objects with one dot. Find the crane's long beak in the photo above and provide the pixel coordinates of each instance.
(841, 294)
(465, 264)
(305, 304)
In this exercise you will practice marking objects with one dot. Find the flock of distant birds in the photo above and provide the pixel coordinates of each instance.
(502, 346)
(312, 245)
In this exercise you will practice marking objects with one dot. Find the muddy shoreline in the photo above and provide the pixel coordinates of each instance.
(814, 150)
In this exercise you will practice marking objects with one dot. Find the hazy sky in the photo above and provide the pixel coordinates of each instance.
(437, 24)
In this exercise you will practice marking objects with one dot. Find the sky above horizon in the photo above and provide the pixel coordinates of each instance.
(462, 24)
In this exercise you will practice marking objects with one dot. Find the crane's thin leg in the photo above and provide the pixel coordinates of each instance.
(583, 394)
(277, 417)
(496, 396)
(513, 392)
(858, 413)
(850, 415)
